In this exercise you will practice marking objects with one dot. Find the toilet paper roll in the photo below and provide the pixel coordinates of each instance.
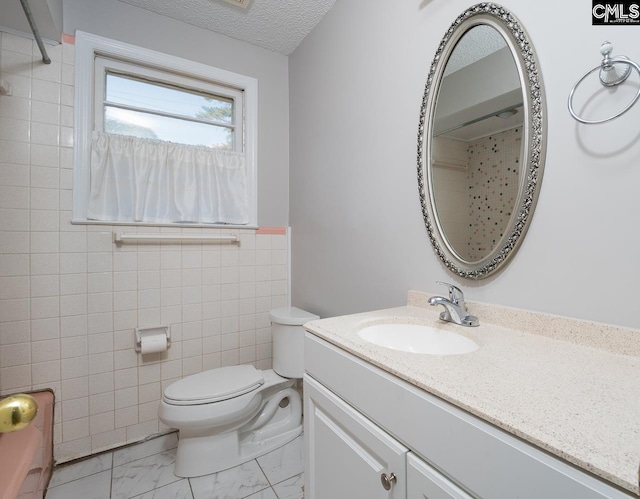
(153, 343)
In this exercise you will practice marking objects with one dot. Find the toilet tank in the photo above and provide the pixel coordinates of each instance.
(288, 340)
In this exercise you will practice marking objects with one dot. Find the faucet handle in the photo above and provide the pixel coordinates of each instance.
(455, 293)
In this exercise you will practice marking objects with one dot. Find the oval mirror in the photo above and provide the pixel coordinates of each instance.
(481, 141)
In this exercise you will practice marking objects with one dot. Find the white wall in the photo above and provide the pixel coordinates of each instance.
(359, 243)
(126, 23)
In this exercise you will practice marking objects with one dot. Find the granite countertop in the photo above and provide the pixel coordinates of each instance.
(567, 386)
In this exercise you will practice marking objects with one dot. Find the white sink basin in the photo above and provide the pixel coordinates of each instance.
(417, 339)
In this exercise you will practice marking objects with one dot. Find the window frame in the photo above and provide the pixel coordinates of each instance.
(87, 48)
(108, 65)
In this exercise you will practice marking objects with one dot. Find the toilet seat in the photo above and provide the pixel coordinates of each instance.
(214, 385)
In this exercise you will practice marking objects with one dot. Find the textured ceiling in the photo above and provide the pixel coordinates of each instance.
(276, 25)
(477, 43)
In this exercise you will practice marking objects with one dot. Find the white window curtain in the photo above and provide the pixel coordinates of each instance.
(141, 180)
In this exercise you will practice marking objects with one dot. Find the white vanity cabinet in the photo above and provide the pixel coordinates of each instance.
(361, 422)
(348, 455)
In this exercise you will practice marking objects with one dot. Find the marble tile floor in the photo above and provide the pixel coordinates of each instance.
(145, 471)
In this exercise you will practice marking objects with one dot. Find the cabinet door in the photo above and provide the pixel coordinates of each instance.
(424, 482)
(346, 454)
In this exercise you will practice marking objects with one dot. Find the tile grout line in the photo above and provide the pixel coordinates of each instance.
(190, 488)
(111, 477)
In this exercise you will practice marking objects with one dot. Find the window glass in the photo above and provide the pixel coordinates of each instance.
(152, 126)
(132, 92)
(152, 110)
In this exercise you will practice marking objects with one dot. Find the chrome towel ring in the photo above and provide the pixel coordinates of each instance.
(613, 71)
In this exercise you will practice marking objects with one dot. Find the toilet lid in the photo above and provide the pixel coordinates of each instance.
(291, 316)
(214, 385)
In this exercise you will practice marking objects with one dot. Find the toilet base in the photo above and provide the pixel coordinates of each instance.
(201, 453)
(192, 460)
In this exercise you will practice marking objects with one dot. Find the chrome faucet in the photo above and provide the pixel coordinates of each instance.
(455, 309)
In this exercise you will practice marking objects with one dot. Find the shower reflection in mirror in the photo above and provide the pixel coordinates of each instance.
(477, 143)
(481, 141)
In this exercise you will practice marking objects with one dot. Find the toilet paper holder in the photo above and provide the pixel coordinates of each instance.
(151, 330)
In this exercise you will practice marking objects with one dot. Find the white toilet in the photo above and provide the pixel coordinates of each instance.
(230, 415)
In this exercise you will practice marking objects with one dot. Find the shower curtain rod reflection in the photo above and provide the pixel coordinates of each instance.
(121, 238)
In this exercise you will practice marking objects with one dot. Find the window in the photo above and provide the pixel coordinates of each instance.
(147, 103)
(153, 129)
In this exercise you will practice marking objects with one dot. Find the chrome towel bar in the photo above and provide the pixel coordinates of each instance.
(121, 238)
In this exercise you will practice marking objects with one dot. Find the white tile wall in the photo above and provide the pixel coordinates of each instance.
(70, 299)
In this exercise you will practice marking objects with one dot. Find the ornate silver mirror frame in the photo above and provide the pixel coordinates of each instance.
(533, 139)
